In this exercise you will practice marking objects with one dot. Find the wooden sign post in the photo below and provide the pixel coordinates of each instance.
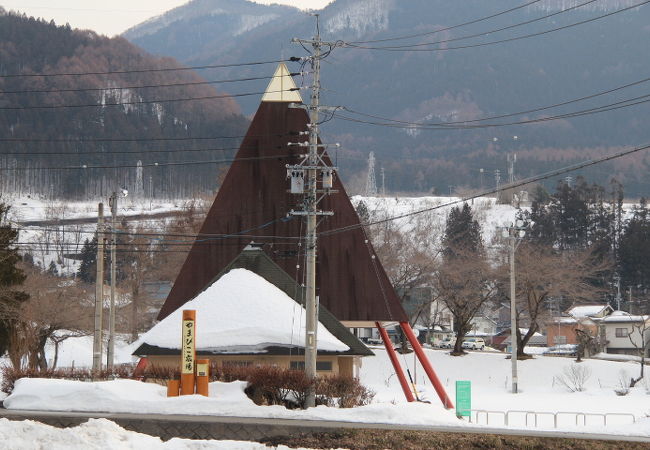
(188, 352)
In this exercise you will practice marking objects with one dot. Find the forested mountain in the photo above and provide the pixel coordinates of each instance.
(449, 83)
(85, 133)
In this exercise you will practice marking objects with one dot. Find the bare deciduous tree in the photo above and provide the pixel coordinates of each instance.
(543, 273)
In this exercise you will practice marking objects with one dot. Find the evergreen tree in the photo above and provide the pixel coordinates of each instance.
(634, 249)
(462, 234)
(11, 276)
(88, 268)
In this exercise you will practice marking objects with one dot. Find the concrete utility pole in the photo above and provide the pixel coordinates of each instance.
(99, 292)
(312, 164)
(514, 232)
(110, 354)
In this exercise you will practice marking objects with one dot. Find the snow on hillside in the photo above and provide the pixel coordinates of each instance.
(361, 17)
(488, 213)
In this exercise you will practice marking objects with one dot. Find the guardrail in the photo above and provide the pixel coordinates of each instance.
(536, 414)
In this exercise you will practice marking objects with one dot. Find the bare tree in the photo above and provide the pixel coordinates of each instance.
(543, 273)
(639, 337)
(54, 304)
(465, 284)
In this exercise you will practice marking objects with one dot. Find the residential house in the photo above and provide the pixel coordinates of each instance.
(562, 330)
(626, 333)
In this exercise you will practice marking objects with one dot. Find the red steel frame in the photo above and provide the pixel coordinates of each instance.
(440, 390)
(393, 359)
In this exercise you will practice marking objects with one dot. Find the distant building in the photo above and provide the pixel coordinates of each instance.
(626, 333)
(562, 330)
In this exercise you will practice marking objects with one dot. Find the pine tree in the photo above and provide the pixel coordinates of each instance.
(88, 268)
(11, 277)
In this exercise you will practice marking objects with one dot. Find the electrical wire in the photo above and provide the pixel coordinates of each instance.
(635, 101)
(152, 139)
(501, 116)
(141, 102)
(523, 182)
(497, 30)
(146, 86)
(180, 163)
(170, 69)
(127, 152)
(501, 41)
(471, 22)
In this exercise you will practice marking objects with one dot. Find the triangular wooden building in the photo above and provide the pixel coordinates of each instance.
(253, 204)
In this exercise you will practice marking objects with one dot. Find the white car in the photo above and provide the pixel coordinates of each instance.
(447, 343)
(474, 343)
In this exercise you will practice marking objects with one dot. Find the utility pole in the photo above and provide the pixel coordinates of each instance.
(99, 292)
(513, 233)
(312, 164)
(371, 181)
(383, 182)
(110, 353)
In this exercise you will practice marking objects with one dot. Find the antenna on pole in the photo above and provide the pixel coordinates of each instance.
(307, 183)
(371, 181)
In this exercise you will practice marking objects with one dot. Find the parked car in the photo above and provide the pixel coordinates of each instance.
(447, 342)
(474, 343)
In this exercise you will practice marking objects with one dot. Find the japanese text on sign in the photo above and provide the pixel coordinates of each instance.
(188, 347)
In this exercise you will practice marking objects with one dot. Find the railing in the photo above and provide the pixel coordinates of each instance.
(534, 415)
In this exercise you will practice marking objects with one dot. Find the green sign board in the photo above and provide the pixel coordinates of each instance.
(463, 398)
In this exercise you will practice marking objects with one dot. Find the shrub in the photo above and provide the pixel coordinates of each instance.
(267, 385)
(623, 385)
(574, 377)
(11, 374)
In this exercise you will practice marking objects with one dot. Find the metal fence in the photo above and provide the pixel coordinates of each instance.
(531, 417)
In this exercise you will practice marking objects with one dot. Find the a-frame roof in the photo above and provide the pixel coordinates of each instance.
(253, 203)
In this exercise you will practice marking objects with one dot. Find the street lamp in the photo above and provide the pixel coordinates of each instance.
(514, 233)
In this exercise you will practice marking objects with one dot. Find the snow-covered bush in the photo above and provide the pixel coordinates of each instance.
(574, 377)
(623, 385)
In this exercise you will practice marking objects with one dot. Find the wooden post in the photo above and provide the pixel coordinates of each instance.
(173, 387)
(188, 352)
(202, 376)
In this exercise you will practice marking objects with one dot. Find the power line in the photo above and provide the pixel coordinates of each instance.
(169, 69)
(151, 139)
(501, 116)
(634, 101)
(139, 102)
(180, 163)
(471, 22)
(501, 41)
(523, 182)
(485, 33)
(127, 152)
(146, 86)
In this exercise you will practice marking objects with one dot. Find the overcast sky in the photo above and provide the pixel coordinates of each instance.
(114, 16)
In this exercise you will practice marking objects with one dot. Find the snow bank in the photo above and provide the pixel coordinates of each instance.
(102, 434)
(226, 399)
(241, 313)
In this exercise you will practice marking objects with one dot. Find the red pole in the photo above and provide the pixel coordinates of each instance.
(393, 359)
(426, 365)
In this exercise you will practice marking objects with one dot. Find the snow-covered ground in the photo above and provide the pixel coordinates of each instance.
(102, 434)
(489, 374)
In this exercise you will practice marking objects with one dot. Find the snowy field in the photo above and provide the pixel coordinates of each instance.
(488, 372)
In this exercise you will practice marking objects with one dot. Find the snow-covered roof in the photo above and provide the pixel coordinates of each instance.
(241, 312)
(622, 316)
(587, 310)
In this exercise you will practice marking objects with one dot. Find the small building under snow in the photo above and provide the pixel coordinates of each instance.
(252, 314)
